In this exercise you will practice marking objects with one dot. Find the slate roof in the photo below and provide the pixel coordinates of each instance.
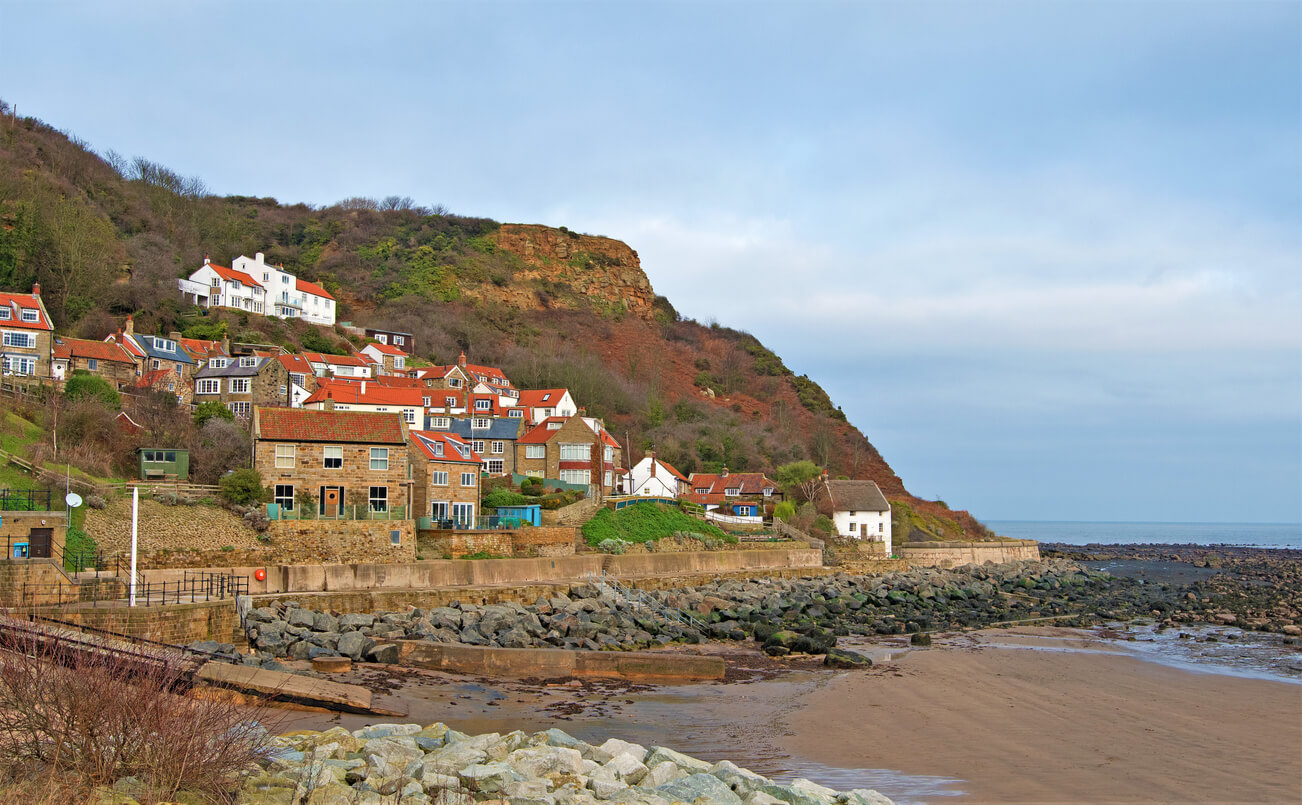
(498, 428)
(307, 425)
(856, 496)
(151, 350)
(233, 369)
(429, 443)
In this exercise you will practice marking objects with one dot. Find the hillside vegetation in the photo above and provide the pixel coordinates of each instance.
(108, 236)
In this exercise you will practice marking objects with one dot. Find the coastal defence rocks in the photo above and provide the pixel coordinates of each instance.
(436, 764)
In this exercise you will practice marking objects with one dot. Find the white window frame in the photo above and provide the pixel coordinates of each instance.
(468, 479)
(240, 408)
(440, 422)
(326, 457)
(483, 405)
(219, 363)
(409, 414)
(5, 313)
(576, 476)
(241, 385)
(438, 478)
(378, 498)
(535, 451)
(19, 340)
(249, 360)
(380, 459)
(480, 423)
(29, 314)
(286, 502)
(496, 466)
(499, 447)
(575, 451)
(286, 456)
(477, 445)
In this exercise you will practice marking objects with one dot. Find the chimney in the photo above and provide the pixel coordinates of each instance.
(258, 257)
(175, 335)
(130, 327)
(329, 401)
(36, 289)
(363, 387)
(462, 360)
(724, 474)
(226, 343)
(206, 261)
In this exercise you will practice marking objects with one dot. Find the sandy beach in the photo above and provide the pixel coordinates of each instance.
(1025, 715)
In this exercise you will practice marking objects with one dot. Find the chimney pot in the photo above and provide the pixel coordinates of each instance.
(130, 327)
(36, 289)
(258, 257)
(206, 261)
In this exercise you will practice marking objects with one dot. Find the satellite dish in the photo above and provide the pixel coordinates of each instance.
(73, 500)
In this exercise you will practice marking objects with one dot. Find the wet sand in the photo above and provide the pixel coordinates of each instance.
(1023, 715)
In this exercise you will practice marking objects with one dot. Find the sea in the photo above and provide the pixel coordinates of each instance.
(1252, 535)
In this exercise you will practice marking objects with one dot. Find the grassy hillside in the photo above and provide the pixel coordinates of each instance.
(107, 236)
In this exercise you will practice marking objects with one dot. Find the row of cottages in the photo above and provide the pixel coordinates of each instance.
(253, 286)
(745, 495)
(336, 461)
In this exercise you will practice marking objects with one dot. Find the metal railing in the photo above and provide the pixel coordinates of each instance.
(490, 522)
(607, 583)
(193, 587)
(29, 500)
(364, 512)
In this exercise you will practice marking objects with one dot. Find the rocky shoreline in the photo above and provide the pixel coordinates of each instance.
(408, 763)
(1255, 589)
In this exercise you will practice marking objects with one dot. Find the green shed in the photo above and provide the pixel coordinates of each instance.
(164, 464)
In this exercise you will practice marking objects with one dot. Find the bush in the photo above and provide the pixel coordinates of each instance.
(97, 718)
(615, 546)
(205, 411)
(644, 522)
(504, 497)
(242, 487)
(785, 510)
(83, 385)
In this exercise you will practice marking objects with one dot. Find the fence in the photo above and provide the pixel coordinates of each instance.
(194, 586)
(277, 512)
(29, 500)
(607, 583)
(477, 523)
(175, 487)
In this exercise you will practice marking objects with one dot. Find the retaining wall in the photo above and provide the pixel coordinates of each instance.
(953, 554)
(530, 663)
(524, 542)
(175, 623)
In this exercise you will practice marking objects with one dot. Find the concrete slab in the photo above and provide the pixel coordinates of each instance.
(527, 663)
(289, 687)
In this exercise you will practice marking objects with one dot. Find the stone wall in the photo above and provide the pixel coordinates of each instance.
(534, 663)
(573, 515)
(555, 541)
(42, 578)
(443, 544)
(954, 554)
(355, 476)
(177, 624)
(343, 541)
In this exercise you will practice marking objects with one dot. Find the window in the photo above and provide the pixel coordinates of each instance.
(554, 425)
(853, 528)
(535, 451)
(483, 405)
(576, 476)
(379, 499)
(702, 490)
(249, 360)
(534, 474)
(495, 465)
(608, 454)
(216, 282)
(768, 491)
(163, 345)
(515, 413)
(382, 338)
(438, 448)
(438, 509)
(424, 401)
(881, 528)
(19, 366)
(608, 479)
(575, 452)
(399, 340)
(449, 401)
(398, 363)
(379, 458)
(219, 363)
(297, 377)
(209, 386)
(332, 458)
(732, 491)
(463, 513)
(284, 391)
(480, 423)
(499, 447)
(440, 422)
(92, 364)
(284, 496)
(285, 454)
(438, 478)
(240, 408)
(409, 414)
(468, 479)
(30, 314)
(5, 313)
(154, 364)
(477, 445)
(25, 340)
(454, 382)
(265, 276)
(240, 385)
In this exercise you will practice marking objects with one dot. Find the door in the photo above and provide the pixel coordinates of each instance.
(863, 531)
(464, 515)
(40, 540)
(332, 500)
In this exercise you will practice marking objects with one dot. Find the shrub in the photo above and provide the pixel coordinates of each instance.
(97, 718)
(83, 385)
(785, 510)
(95, 502)
(242, 487)
(504, 497)
(205, 411)
(615, 546)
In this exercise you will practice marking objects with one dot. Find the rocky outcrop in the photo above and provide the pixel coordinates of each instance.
(605, 272)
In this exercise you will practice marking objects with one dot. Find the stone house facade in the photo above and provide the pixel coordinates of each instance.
(28, 335)
(109, 361)
(243, 383)
(339, 461)
(573, 449)
(445, 479)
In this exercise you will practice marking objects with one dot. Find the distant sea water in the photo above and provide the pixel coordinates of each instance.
(1256, 535)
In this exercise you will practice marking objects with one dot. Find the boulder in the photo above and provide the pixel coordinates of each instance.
(695, 786)
(488, 778)
(538, 761)
(842, 658)
(354, 644)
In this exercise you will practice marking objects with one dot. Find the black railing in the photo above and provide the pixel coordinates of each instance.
(29, 500)
(192, 587)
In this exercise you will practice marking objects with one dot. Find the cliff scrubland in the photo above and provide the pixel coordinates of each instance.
(108, 236)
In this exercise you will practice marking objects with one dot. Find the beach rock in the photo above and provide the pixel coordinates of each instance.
(842, 658)
(488, 778)
(539, 761)
(695, 786)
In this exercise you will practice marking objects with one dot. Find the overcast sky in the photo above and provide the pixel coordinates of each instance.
(1046, 255)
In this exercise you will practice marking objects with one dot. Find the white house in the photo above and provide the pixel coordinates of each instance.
(253, 285)
(390, 358)
(544, 403)
(338, 365)
(652, 477)
(860, 510)
(219, 286)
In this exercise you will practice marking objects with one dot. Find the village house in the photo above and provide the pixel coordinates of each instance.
(740, 494)
(28, 335)
(445, 479)
(242, 383)
(492, 438)
(368, 395)
(389, 359)
(338, 365)
(655, 477)
(168, 381)
(340, 461)
(214, 286)
(201, 349)
(858, 510)
(109, 361)
(403, 341)
(572, 450)
(539, 404)
(302, 380)
(254, 286)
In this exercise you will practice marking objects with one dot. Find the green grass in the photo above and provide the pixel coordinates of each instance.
(644, 522)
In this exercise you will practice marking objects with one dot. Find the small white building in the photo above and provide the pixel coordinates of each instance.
(542, 404)
(860, 511)
(255, 286)
(219, 286)
(652, 477)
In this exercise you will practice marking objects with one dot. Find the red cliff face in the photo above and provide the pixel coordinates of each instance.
(604, 271)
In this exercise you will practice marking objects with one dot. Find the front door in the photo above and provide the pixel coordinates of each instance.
(332, 500)
(464, 515)
(40, 540)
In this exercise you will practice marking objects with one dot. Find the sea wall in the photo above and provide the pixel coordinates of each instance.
(533, 663)
(954, 554)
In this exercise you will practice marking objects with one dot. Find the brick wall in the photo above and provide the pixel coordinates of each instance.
(554, 541)
(341, 541)
(355, 476)
(16, 526)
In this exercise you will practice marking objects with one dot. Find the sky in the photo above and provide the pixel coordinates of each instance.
(1046, 255)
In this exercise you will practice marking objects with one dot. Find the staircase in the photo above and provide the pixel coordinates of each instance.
(609, 585)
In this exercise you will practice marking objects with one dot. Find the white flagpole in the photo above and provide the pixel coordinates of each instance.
(135, 509)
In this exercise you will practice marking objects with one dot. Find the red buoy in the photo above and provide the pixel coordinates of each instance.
(260, 574)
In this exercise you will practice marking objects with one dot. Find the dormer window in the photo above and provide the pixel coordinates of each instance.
(438, 449)
(454, 382)
(249, 361)
(768, 492)
(732, 491)
(702, 490)
(424, 401)
(553, 426)
(449, 401)
(5, 313)
(218, 363)
(479, 423)
(483, 405)
(30, 314)
(515, 414)
(163, 345)
(440, 422)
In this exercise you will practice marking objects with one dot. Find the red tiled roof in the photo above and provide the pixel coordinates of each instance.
(99, 350)
(295, 363)
(387, 349)
(149, 379)
(608, 439)
(399, 381)
(60, 351)
(312, 288)
(749, 483)
(540, 433)
(16, 302)
(350, 391)
(202, 348)
(307, 425)
(425, 437)
(231, 275)
(533, 398)
(671, 469)
(336, 360)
